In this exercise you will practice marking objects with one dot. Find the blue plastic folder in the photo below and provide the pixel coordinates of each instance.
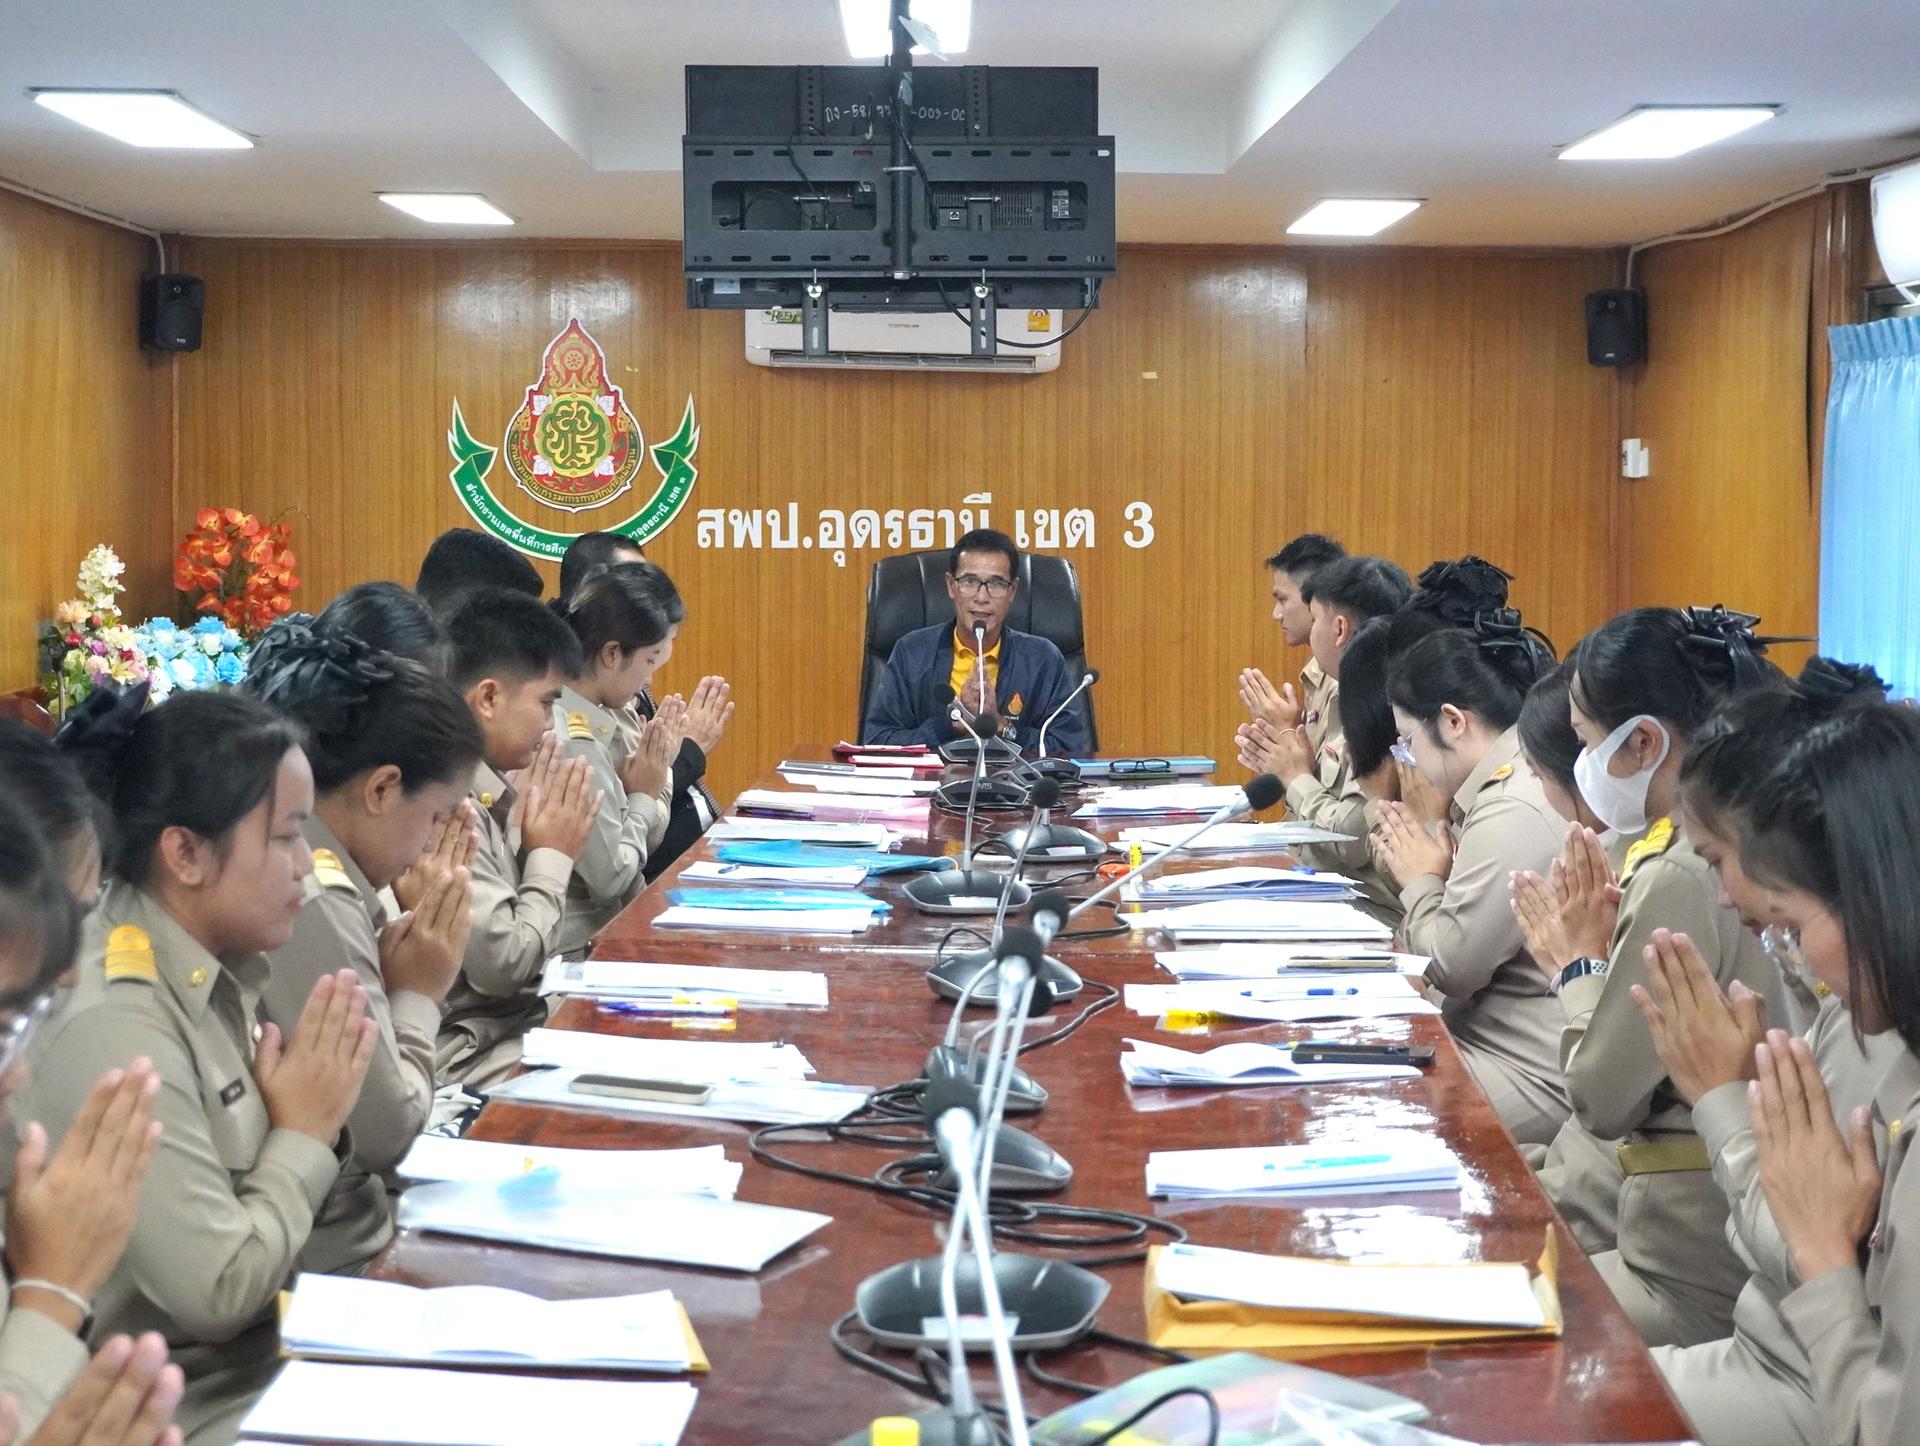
(792, 854)
(763, 899)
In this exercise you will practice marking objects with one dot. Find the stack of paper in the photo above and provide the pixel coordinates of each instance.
(700, 1170)
(697, 1060)
(1486, 1295)
(851, 807)
(753, 1102)
(626, 979)
(1271, 961)
(867, 765)
(849, 919)
(1248, 881)
(1388, 1164)
(1228, 838)
(775, 900)
(409, 1406)
(1263, 919)
(789, 854)
(546, 1210)
(866, 785)
(845, 835)
(1291, 1000)
(825, 876)
(343, 1317)
(1242, 1064)
(844, 749)
(1160, 798)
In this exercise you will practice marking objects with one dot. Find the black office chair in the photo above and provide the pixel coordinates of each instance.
(910, 591)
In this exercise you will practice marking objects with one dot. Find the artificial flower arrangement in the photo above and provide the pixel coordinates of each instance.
(242, 573)
(237, 568)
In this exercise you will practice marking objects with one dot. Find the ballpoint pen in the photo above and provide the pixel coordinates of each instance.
(666, 1008)
(1268, 994)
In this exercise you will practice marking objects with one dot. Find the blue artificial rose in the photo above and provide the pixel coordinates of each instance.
(231, 668)
(230, 641)
(181, 670)
(203, 674)
(209, 624)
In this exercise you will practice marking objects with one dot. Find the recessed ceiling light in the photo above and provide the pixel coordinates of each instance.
(1351, 217)
(865, 23)
(1660, 132)
(447, 208)
(157, 119)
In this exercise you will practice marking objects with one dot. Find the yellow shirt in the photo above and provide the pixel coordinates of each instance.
(963, 665)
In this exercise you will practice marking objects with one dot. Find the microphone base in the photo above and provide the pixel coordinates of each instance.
(939, 1428)
(994, 795)
(1063, 771)
(1054, 843)
(1025, 1094)
(966, 891)
(967, 750)
(1048, 1303)
(1022, 1165)
(950, 979)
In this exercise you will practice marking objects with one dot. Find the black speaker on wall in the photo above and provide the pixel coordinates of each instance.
(1617, 326)
(171, 307)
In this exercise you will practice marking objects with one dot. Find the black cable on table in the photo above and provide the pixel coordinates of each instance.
(1114, 1432)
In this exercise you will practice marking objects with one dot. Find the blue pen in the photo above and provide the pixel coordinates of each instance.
(1305, 993)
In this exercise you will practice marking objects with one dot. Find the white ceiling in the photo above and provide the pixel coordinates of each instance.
(1230, 116)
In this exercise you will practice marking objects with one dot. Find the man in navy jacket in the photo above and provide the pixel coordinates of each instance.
(1012, 681)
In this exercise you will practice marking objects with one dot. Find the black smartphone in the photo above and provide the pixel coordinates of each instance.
(1336, 1052)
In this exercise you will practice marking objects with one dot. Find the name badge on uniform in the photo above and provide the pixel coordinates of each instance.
(229, 1094)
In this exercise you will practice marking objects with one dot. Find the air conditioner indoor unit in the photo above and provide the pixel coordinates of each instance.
(936, 341)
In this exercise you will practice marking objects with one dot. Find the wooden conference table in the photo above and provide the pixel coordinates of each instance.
(776, 1377)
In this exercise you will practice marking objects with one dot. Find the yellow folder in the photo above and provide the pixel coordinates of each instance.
(1205, 1326)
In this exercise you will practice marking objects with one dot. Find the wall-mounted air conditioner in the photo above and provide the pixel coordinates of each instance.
(906, 341)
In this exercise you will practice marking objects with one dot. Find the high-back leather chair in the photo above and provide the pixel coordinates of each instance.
(910, 591)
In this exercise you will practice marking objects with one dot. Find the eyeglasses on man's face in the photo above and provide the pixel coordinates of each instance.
(1402, 752)
(993, 586)
(16, 1031)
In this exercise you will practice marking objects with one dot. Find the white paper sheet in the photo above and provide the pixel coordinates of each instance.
(411, 1406)
(762, 921)
(1496, 1295)
(1264, 919)
(700, 1170)
(700, 1060)
(637, 979)
(1227, 838)
(545, 1211)
(1247, 1063)
(709, 871)
(777, 1102)
(1384, 1165)
(842, 785)
(1276, 961)
(344, 1315)
(850, 835)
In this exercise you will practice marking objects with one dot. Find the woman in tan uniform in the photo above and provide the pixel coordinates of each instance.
(67, 1216)
(208, 792)
(626, 616)
(393, 749)
(1456, 696)
(1832, 831)
(1627, 1171)
(1756, 1383)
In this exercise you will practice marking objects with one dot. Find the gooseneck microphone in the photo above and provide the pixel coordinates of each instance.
(1062, 770)
(1261, 792)
(982, 737)
(968, 890)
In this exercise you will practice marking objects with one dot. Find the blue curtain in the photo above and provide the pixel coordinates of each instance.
(1870, 502)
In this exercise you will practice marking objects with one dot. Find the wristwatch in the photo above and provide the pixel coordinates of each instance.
(1579, 969)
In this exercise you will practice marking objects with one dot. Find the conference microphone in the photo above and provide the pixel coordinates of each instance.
(983, 737)
(968, 890)
(1062, 770)
(970, 977)
(1260, 792)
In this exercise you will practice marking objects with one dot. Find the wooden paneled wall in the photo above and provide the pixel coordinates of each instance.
(86, 416)
(1415, 403)
(1731, 402)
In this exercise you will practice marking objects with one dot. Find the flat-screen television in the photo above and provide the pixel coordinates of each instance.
(789, 181)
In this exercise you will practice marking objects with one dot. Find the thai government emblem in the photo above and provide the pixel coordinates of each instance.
(572, 445)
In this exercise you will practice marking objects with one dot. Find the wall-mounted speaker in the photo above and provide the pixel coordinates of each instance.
(171, 308)
(1617, 326)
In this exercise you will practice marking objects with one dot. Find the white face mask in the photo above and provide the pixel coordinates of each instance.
(1619, 803)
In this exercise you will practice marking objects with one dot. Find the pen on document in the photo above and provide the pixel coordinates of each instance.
(1328, 1163)
(667, 1008)
(1267, 994)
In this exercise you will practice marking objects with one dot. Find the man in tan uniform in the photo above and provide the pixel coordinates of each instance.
(1312, 706)
(1627, 1171)
(1321, 789)
(241, 1168)
(511, 657)
(1461, 915)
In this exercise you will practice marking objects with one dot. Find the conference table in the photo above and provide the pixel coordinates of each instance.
(776, 1377)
